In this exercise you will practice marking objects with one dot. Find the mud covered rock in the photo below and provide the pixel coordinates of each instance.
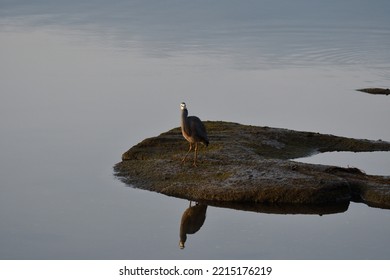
(250, 164)
(382, 91)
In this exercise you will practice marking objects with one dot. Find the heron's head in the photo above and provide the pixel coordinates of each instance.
(183, 106)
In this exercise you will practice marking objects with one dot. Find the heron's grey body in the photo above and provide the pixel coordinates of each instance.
(193, 131)
(191, 221)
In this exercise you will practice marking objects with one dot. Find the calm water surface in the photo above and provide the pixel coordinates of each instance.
(82, 81)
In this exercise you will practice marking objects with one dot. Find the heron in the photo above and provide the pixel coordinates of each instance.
(191, 221)
(193, 131)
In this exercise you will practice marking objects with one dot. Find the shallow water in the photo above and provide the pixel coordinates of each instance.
(374, 163)
(83, 81)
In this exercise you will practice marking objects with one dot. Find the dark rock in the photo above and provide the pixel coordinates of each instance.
(383, 91)
(248, 164)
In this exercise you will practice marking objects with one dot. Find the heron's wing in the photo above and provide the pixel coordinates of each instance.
(198, 129)
(193, 218)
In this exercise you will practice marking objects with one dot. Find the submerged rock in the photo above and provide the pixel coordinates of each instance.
(253, 165)
(383, 91)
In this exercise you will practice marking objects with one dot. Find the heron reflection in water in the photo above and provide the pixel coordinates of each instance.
(191, 221)
(193, 131)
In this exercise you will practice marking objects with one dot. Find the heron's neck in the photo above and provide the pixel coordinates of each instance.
(184, 115)
(183, 234)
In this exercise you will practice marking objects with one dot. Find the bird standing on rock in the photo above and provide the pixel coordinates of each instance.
(193, 131)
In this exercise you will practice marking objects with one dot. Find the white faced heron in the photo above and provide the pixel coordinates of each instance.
(191, 221)
(193, 131)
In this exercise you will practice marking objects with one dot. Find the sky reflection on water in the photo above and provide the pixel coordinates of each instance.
(83, 81)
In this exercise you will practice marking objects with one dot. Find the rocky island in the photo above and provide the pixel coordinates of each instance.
(382, 91)
(254, 165)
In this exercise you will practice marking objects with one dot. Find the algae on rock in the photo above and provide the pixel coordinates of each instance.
(253, 164)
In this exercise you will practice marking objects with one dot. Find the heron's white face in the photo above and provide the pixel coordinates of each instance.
(183, 106)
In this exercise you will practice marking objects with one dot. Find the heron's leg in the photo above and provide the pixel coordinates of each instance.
(184, 159)
(196, 153)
